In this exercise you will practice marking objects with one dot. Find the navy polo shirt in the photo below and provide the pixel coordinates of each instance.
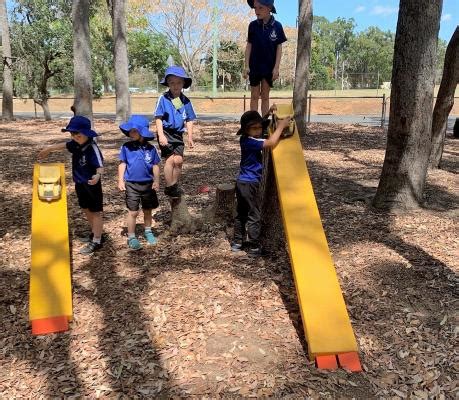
(174, 119)
(251, 165)
(139, 159)
(85, 160)
(264, 39)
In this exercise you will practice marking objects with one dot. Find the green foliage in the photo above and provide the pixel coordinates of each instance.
(41, 38)
(150, 51)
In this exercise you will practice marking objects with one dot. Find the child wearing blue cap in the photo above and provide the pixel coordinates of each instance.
(263, 53)
(138, 177)
(174, 115)
(87, 170)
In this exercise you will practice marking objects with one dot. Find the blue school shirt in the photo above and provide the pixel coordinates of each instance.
(172, 118)
(85, 160)
(251, 166)
(264, 39)
(139, 159)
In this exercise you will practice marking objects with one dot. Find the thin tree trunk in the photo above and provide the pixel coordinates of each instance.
(120, 57)
(303, 56)
(7, 102)
(82, 73)
(445, 99)
(45, 106)
(405, 165)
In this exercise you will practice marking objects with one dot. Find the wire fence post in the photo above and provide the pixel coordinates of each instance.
(244, 102)
(309, 108)
(383, 111)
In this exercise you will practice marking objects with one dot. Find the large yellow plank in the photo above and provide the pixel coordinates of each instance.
(326, 321)
(50, 276)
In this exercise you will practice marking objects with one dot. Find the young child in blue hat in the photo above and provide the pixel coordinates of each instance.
(138, 177)
(87, 170)
(248, 219)
(174, 115)
(263, 53)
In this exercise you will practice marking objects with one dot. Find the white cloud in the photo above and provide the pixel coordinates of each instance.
(384, 11)
(446, 17)
(360, 9)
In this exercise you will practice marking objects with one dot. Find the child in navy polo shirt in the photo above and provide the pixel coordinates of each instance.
(174, 115)
(87, 169)
(138, 176)
(263, 53)
(248, 218)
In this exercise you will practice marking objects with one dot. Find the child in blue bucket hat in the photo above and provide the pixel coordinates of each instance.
(138, 177)
(87, 170)
(263, 53)
(174, 114)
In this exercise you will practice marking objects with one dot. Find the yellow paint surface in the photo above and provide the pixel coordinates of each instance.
(50, 276)
(325, 318)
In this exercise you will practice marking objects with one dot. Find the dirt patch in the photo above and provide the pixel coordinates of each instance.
(190, 318)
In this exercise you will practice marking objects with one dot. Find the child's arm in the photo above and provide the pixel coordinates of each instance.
(96, 177)
(278, 60)
(161, 137)
(155, 177)
(54, 147)
(121, 171)
(273, 140)
(189, 129)
(248, 50)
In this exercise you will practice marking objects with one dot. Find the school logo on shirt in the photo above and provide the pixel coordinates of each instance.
(82, 160)
(184, 114)
(273, 35)
(148, 159)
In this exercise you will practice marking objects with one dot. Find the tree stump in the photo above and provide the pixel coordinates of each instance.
(182, 220)
(223, 209)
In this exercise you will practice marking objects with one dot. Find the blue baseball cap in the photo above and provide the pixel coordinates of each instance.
(267, 3)
(175, 70)
(140, 123)
(80, 124)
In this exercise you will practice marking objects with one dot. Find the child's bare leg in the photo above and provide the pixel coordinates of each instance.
(254, 97)
(131, 220)
(168, 171)
(177, 171)
(89, 216)
(265, 88)
(147, 219)
(97, 224)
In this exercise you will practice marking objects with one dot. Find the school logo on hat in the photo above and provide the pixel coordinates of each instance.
(139, 123)
(80, 124)
(175, 70)
(267, 3)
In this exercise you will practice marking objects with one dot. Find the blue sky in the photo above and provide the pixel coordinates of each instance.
(380, 13)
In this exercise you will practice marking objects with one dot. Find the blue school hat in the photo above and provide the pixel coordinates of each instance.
(140, 123)
(176, 71)
(80, 124)
(266, 3)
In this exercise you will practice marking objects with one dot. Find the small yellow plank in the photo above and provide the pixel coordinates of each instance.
(326, 321)
(50, 276)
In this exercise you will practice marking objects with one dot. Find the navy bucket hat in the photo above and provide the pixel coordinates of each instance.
(251, 118)
(175, 70)
(266, 3)
(80, 124)
(140, 123)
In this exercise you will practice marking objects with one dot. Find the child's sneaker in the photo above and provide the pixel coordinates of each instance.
(134, 243)
(254, 251)
(150, 237)
(235, 246)
(90, 248)
(87, 239)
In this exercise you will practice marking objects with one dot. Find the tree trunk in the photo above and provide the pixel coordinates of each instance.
(445, 99)
(82, 73)
(120, 58)
(45, 106)
(223, 209)
(404, 170)
(303, 56)
(7, 102)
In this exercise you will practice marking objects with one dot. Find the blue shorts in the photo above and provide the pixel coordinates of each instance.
(90, 196)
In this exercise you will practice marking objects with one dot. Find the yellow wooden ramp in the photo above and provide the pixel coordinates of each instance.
(50, 301)
(326, 322)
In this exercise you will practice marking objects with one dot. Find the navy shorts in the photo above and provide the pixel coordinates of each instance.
(172, 148)
(140, 193)
(256, 78)
(90, 196)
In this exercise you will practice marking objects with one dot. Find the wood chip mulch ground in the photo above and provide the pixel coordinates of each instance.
(188, 318)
